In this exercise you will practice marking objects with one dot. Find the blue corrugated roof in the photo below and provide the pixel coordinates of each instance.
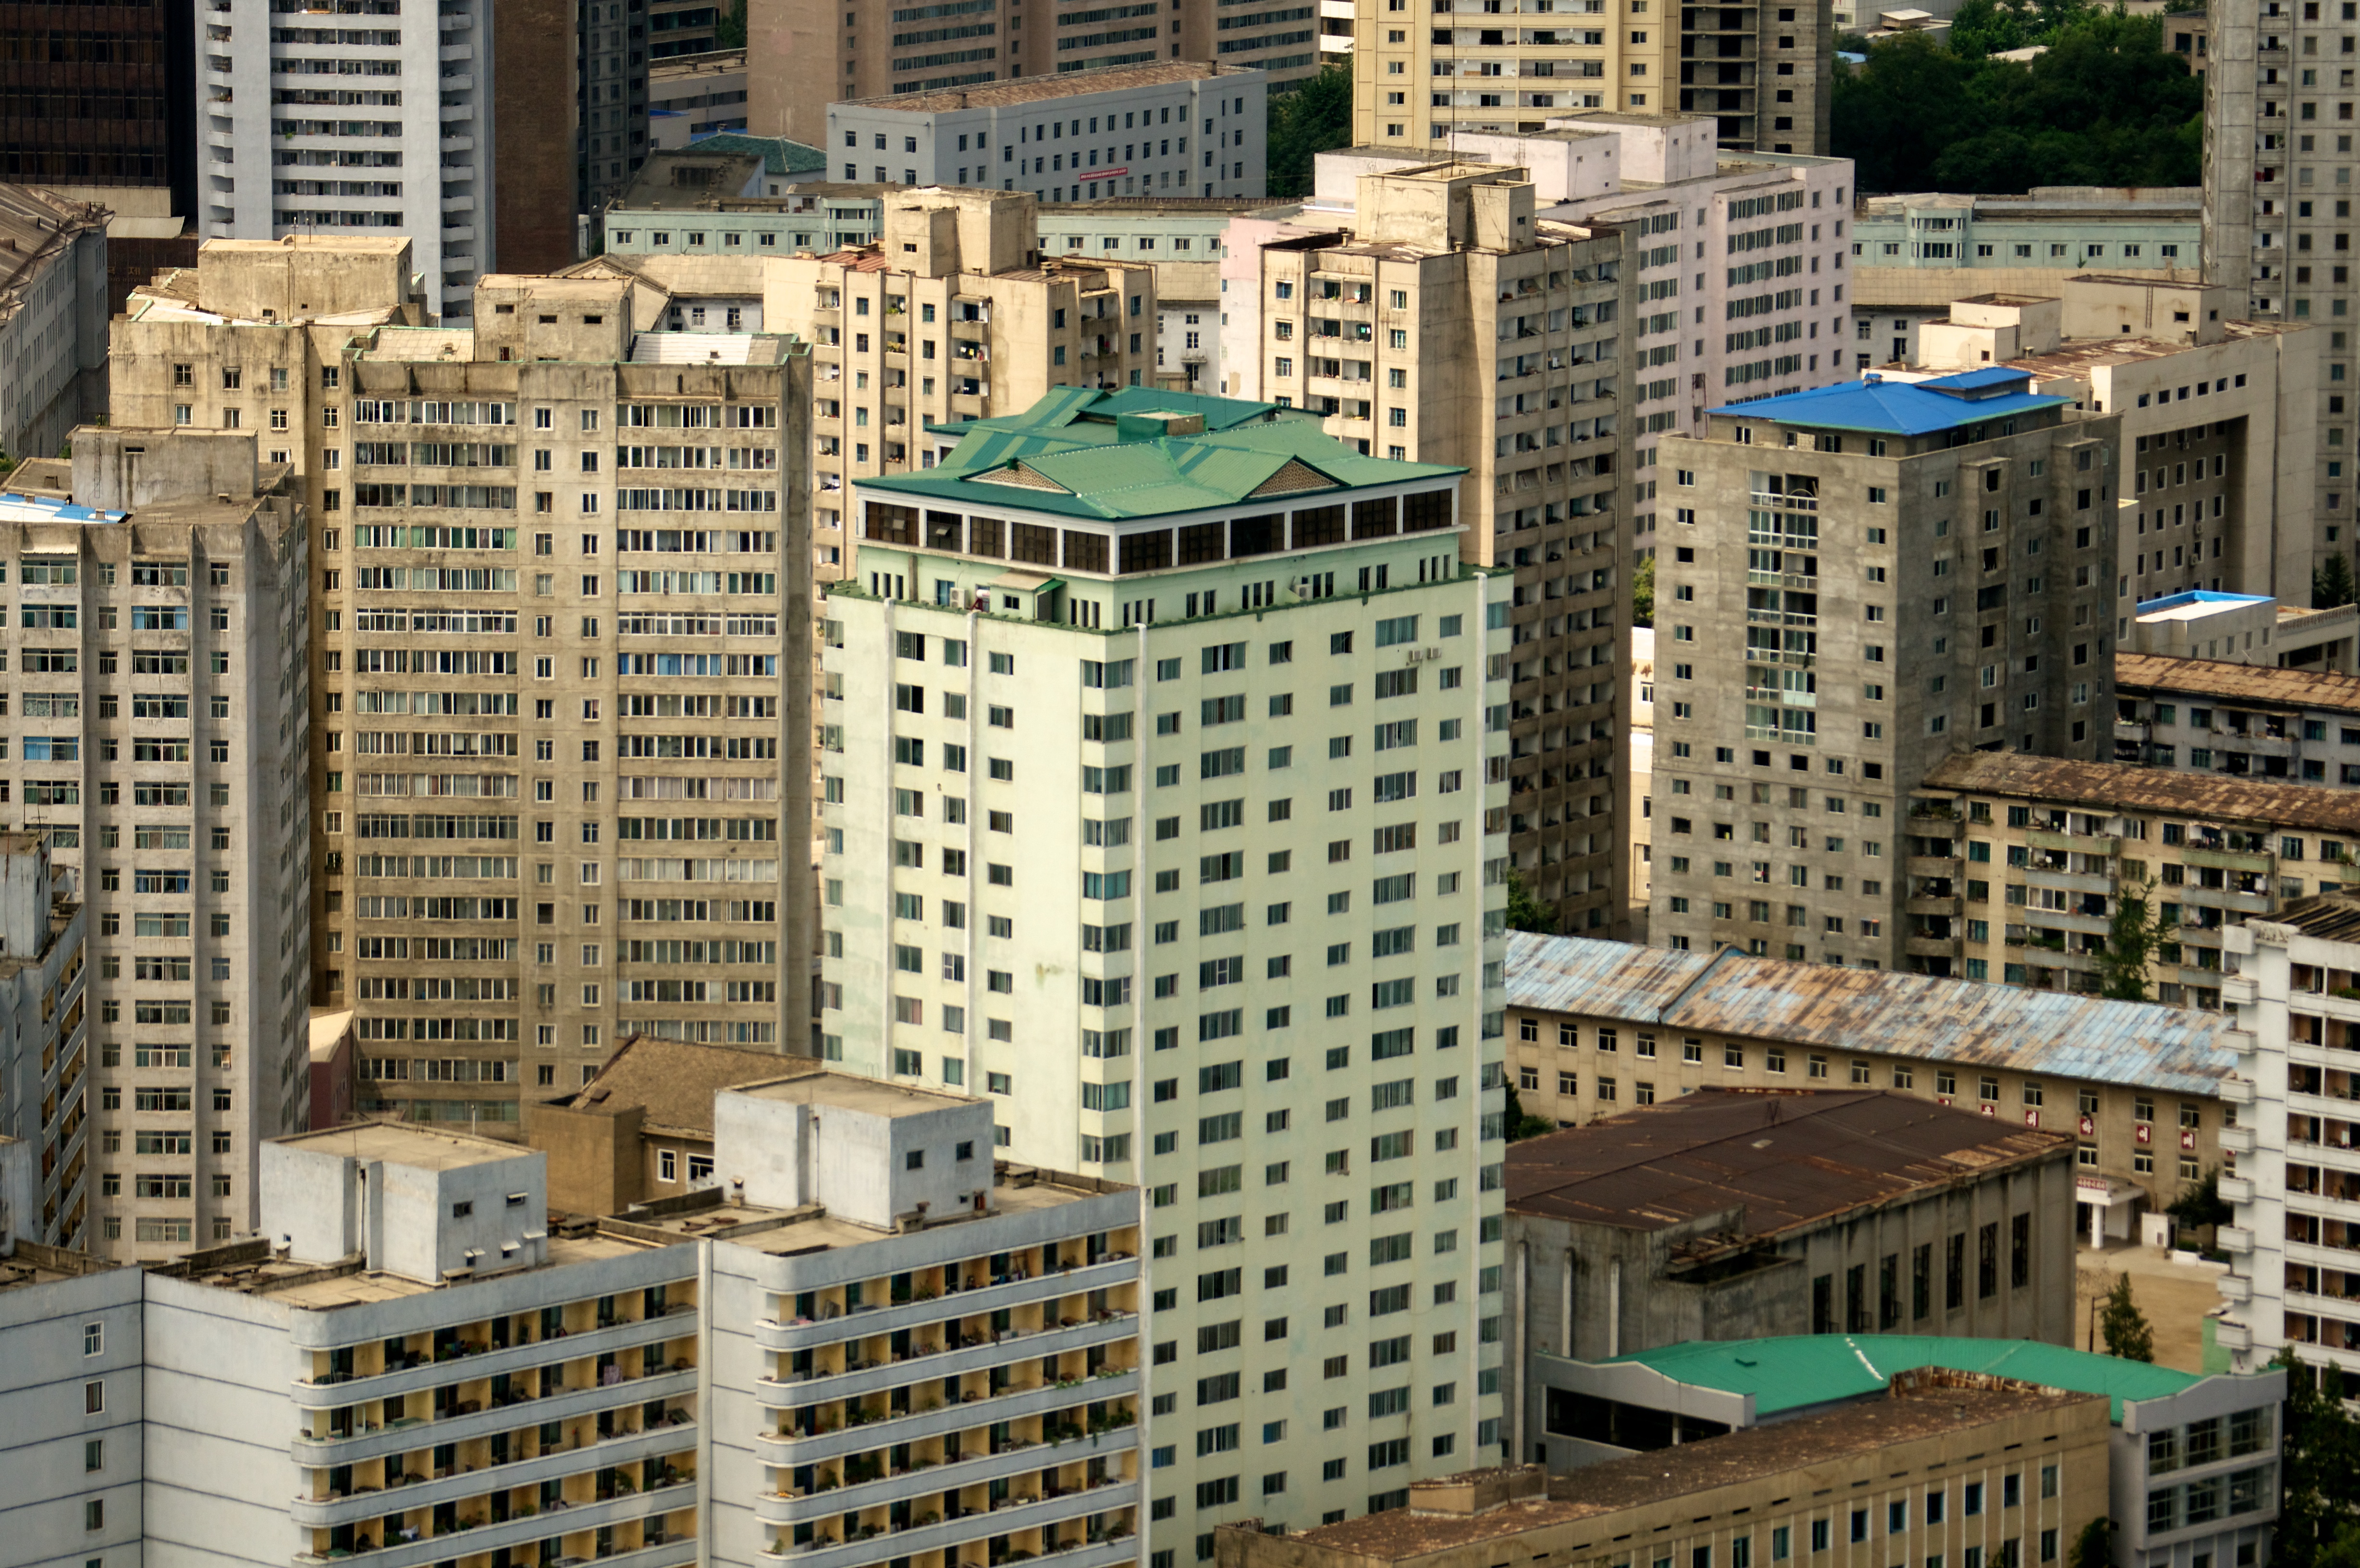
(1901, 408)
(15, 506)
(2172, 1050)
(2200, 596)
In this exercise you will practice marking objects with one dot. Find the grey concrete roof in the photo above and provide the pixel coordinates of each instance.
(2172, 1050)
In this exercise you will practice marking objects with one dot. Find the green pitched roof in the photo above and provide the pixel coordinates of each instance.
(1799, 1370)
(1068, 453)
(779, 155)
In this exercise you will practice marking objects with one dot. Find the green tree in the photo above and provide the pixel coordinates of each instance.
(2331, 582)
(2319, 1503)
(2093, 1548)
(1313, 118)
(1526, 913)
(729, 32)
(2202, 1206)
(1642, 592)
(2132, 935)
(1521, 1125)
(2123, 1327)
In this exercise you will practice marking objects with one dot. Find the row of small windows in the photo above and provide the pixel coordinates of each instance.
(1154, 550)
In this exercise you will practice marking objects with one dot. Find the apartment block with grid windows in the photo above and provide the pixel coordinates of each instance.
(1065, 780)
(1856, 582)
(559, 659)
(1447, 324)
(158, 650)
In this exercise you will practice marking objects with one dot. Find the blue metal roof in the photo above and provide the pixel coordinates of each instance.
(2200, 596)
(15, 506)
(1902, 408)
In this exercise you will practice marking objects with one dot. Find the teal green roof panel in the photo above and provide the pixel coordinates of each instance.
(1083, 453)
(1796, 1371)
(779, 155)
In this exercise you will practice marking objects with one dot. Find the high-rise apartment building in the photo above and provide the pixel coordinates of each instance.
(558, 617)
(159, 649)
(954, 314)
(52, 319)
(1855, 582)
(2278, 199)
(802, 55)
(614, 42)
(46, 1174)
(319, 120)
(1065, 778)
(1447, 324)
(1763, 72)
(2288, 1286)
(100, 95)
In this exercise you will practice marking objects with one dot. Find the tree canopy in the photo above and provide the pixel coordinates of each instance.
(2107, 104)
(1315, 116)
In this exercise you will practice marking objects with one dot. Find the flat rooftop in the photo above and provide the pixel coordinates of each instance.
(2052, 1033)
(32, 1263)
(249, 1269)
(1597, 1491)
(781, 1233)
(1789, 1160)
(2127, 787)
(1036, 89)
(2196, 603)
(2263, 685)
(402, 1143)
(846, 1092)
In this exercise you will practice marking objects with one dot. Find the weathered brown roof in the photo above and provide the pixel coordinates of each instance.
(674, 1081)
(2333, 916)
(2127, 787)
(1789, 1160)
(1056, 84)
(1603, 1491)
(2264, 685)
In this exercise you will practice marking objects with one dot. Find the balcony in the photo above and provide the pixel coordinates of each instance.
(968, 1528)
(1119, 1268)
(2235, 1288)
(1930, 946)
(2068, 881)
(1930, 865)
(374, 1442)
(2227, 859)
(1006, 1347)
(355, 1507)
(795, 1507)
(2237, 1238)
(2235, 1091)
(772, 1447)
(680, 1322)
(1934, 904)
(566, 1519)
(2229, 898)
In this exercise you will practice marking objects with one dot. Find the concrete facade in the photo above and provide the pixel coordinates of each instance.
(1449, 324)
(1913, 253)
(979, 706)
(2242, 720)
(2051, 847)
(695, 95)
(1830, 692)
(1027, 134)
(53, 310)
(1760, 75)
(952, 315)
(2138, 1083)
(162, 648)
(2244, 629)
(2240, 446)
(2289, 1249)
(678, 638)
(44, 1050)
(414, 1353)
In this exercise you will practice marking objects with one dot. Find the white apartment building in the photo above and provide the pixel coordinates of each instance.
(413, 1364)
(358, 117)
(1170, 128)
(1064, 779)
(1739, 260)
(158, 647)
(2293, 1177)
(538, 650)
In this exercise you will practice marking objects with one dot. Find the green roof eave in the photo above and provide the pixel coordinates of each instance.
(1796, 1371)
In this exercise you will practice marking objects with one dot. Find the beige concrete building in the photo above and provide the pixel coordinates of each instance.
(52, 318)
(1962, 1468)
(1594, 1029)
(1763, 72)
(953, 315)
(2052, 846)
(1965, 528)
(45, 1172)
(158, 651)
(2244, 629)
(2218, 422)
(2244, 720)
(504, 535)
(1449, 325)
(802, 55)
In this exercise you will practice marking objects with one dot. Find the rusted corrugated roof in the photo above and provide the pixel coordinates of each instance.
(2172, 1050)
(2148, 674)
(1790, 1160)
(2334, 916)
(2203, 796)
